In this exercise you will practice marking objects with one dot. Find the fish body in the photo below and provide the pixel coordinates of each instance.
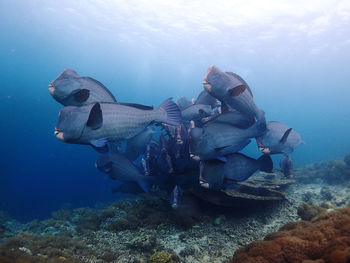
(232, 90)
(205, 98)
(121, 168)
(234, 118)
(238, 167)
(70, 89)
(183, 103)
(137, 144)
(286, 165)
(279, 138)
(196, 111)
(219, 139)
(93, 123)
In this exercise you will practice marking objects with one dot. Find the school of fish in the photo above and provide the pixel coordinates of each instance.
(176, 146)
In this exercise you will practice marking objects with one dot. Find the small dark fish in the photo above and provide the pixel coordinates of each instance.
(232, 90)
(216, 174)
(136, 145)
(219, 139)
(98, 123)
(205, 98)
(70, 89)
(286, 165)
(121, 168)
(278, 138)
(183, 103)
(164, 162)
(145, 166)
(196, 111)
(174, 197)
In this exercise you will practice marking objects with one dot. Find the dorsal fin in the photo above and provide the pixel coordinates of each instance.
(285, 135)
(95, 120)
(135, 105)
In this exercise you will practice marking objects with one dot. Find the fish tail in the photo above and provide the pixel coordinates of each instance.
(265, 163)
(172, 113)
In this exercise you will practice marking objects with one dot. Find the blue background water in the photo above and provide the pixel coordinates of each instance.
(295, 57)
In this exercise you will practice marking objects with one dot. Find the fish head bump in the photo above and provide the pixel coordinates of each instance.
(71, 123)
(216, 82)
(64, 85)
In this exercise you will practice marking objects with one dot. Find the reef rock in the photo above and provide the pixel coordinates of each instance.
(326, 239)
(255, 190)
(308, 212)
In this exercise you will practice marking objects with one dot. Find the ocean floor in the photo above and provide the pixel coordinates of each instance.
(148, 230)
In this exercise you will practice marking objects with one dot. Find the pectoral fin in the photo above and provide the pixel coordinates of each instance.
(81, 95)
(95, 120)
(236, 91)
(285, 135)
(100, 145)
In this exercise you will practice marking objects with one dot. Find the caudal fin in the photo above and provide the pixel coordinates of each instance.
(172, 112)
(265, 163)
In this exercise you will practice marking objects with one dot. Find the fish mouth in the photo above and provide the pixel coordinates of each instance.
(204, 184)
(265, 150)
(59, 135)
(207, 85)
(51, 89)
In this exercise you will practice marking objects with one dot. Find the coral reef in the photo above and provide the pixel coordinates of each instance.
(26, 247)
(146, 229)
(331, 172)
(161, 257)
(326, 239)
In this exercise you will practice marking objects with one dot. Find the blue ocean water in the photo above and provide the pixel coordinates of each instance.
(294, 56)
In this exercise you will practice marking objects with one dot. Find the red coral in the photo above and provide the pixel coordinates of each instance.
(324, 240)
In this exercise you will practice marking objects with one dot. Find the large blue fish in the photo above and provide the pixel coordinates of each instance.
(286, 165)
(136, 145)
(216, 174)
(70, 89)
(183, 103)
(98, 123)
(232, 90)
(205, 98)
(196, 111)
(121, 168)
(278, 138)
(219, 139)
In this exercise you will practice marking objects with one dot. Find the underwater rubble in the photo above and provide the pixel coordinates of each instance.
(147, 229)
